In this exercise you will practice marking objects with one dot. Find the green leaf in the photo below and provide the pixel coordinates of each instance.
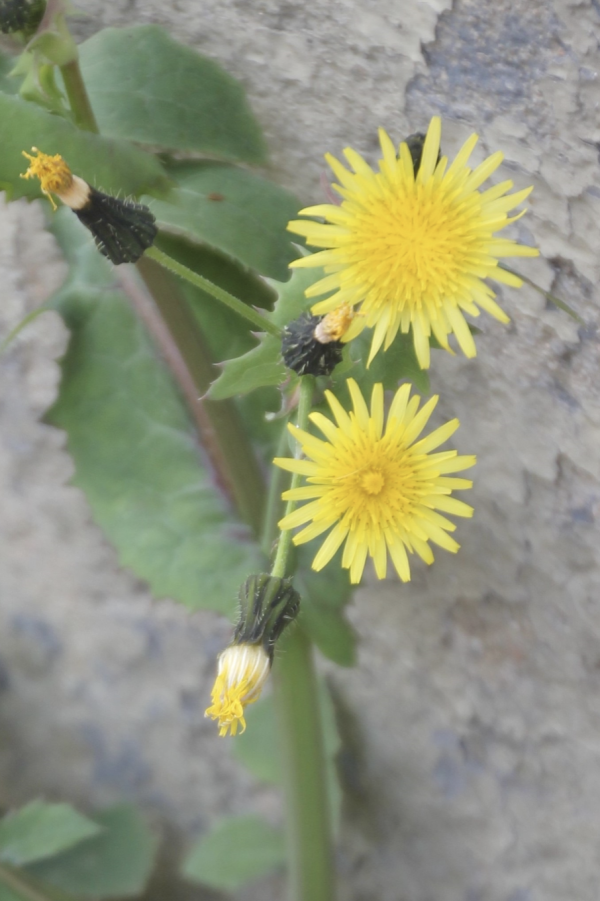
(324, 595)
(263, 364)
(146, 87)
(42, 830)
(238, 850)
(291, 299)
(232, 210)
(389, 367)
(227, 333)
(258, 747)
(135, 451)
(111, 165)
(8, 85)
(114, 864)
(39, 84)
(258, 368)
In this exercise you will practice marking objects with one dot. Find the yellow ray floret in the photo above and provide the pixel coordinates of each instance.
(413, 250)
(375, 486)
(242, 672)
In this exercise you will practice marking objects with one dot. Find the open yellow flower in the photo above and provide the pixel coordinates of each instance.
(378, 488)
(413, 250)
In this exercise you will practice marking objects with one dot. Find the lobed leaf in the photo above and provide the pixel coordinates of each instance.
(146, 87)
(263, 366)
(260, 367)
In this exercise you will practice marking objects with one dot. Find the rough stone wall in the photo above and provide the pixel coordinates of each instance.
(472, 761)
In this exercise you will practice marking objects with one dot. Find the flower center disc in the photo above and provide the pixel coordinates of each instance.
(372, 482)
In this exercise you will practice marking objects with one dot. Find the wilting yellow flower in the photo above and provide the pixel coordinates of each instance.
(54, 175)
(376, 486)
(413, 251)
(242, 672)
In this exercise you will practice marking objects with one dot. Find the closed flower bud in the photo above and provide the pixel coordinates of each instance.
(267, 606)
(415, 144)
(21, 15)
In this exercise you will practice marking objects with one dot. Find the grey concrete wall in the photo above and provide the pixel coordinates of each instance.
(473, 718)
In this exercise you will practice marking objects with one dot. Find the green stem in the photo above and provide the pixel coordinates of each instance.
(221, 430)
(220, 294)
(78, 97)
(307, 385)
(273, 505)
(547, 294)
(310, 853)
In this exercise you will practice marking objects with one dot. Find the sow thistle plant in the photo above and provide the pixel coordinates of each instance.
(324, 403)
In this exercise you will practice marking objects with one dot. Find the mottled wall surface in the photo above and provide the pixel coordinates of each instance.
(473, 719)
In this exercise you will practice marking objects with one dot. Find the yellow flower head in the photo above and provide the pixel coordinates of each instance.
(242, 672)
(52, 171)
(376, 486)
(413, 250)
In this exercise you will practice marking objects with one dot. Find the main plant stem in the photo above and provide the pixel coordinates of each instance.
(310, 856)
(78, 97)
(219, 425)
(308, 820)
(310, 853)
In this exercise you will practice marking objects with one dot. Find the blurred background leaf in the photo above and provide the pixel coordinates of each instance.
(258, 747)
(42, 830)
(8, 85)
(236, 851)
(114, 864)
(324, 596)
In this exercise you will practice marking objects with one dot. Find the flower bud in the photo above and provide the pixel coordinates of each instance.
(267, 605)
(21, 15)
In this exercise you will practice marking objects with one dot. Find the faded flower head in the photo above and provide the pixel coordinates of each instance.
(122, 229)
(312, 345)
(412, 244)
(376, 486)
